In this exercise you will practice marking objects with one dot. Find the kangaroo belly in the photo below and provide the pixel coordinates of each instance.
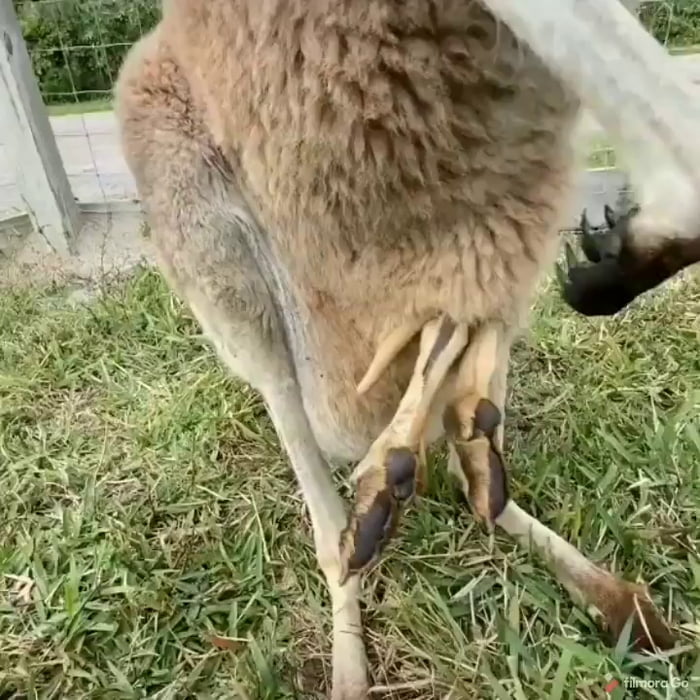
(403, 162)
(482, 271)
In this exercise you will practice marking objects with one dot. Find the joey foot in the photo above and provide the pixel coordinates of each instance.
(389, 474)
(384, 487)
(480, 465)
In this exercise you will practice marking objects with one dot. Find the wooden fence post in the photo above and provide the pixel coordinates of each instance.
(41, 177)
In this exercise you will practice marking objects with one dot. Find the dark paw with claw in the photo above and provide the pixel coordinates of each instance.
(482, 464)
(381, 493)
(610, 277)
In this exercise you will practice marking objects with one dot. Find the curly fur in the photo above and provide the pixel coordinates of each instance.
(392, 159)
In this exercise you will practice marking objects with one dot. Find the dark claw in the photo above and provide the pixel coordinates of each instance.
(498, 487)
(598, 244)
(486, 418)
(373, 530)
(401, 465)
(609, 214)
(584, 225)
(405, 491)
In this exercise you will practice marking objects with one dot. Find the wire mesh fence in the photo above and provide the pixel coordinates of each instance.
(76, 49)
(77, 46)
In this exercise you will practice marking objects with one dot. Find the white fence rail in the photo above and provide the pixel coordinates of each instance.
(30, 146)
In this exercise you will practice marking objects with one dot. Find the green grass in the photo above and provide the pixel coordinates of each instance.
(96, 105)
(146, 512)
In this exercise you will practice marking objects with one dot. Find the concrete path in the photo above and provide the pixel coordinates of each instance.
(89, 146)
(91, 152)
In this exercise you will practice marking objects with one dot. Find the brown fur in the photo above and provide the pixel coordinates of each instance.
(617, 601)
(376, 145)
(318, 174)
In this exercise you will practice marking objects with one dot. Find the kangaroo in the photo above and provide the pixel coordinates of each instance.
(357, 200)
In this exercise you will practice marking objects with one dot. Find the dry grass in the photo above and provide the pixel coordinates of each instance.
(153, 543)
